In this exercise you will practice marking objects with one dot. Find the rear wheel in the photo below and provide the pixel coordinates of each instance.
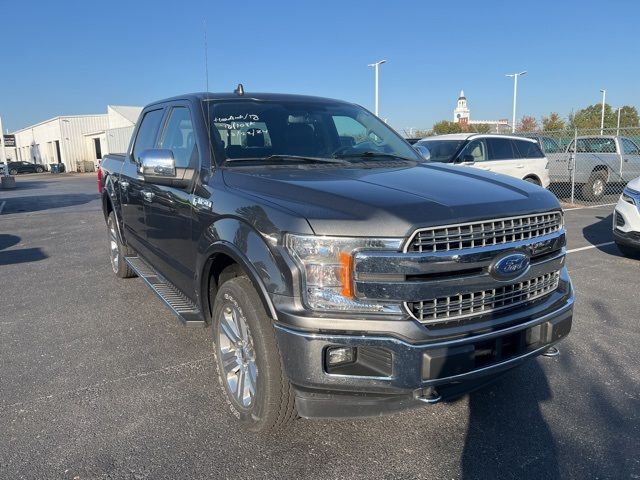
(39, 170)
(595, 187)
(533, 180)
(248, 360)
(117, 251)
(13, 171)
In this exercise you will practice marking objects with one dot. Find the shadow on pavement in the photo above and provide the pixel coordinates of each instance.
(22, 255)
(507, 434)
(46, 202)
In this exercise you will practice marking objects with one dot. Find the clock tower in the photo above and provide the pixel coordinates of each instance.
(461, 113)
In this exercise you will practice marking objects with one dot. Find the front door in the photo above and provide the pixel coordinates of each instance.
(630, 159)
(168, 211)
(131, 184)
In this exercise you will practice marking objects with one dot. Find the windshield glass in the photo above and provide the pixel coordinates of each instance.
(270, 130)
(441, 150)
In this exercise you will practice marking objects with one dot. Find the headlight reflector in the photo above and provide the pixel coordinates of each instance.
(327, 266)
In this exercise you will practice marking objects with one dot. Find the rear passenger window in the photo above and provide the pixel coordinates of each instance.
(147, 132)
(500, 149)
(179, 137)
(528, 149)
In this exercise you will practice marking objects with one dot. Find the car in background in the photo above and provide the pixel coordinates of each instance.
(25, 167)
(514, 156)
(598, 162)
(548, 144)
(626, 220)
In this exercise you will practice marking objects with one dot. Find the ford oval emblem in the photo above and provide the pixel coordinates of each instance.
(510, 266)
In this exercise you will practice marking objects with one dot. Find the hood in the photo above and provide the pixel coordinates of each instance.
(390, 201)
(634, 184)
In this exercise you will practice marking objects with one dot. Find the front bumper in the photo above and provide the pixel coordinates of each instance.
(628, 231)
(418, 373)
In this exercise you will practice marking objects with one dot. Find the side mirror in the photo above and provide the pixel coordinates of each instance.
(423, 151)
(157, 164)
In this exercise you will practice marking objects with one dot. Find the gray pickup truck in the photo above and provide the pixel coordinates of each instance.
(598, 161)
(341, 274)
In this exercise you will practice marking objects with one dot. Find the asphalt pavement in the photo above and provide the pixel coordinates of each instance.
(98, 380)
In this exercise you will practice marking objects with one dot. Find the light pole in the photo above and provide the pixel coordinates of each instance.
(376, 66)
(515, 96)
(618, 129)
(604, 95)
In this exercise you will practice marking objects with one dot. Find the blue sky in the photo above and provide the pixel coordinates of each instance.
(62, 57)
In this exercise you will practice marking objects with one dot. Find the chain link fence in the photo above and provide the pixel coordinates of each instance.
(597, 170)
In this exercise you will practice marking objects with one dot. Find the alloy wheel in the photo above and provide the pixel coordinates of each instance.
(114, 254)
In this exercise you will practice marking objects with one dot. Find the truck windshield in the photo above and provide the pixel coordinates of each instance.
(442, 150)
(275, 131)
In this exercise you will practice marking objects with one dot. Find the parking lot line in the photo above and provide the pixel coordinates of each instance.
(590, 206)
(2, 206)
(589, 247)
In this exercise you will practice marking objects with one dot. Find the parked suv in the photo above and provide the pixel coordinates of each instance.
(626, 220)
(514, 156)
(342, 275)
(25, 167)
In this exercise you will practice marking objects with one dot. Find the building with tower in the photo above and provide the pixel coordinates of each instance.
(462, 115)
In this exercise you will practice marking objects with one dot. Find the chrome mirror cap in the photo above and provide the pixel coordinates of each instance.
(157, 163)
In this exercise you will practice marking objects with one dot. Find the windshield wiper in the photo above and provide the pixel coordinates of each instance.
(288, 158)
(369, 154)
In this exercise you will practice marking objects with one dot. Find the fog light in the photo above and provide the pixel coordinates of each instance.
(340, 355)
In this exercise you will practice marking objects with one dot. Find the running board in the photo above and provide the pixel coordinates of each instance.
(182, 307)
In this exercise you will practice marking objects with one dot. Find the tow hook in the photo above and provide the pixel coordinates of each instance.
(427, 395)
(551, 352)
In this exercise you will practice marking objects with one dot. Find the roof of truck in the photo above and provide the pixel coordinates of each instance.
(212, 96)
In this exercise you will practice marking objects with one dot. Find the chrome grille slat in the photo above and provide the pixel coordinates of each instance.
(445, 309)
(484, 233)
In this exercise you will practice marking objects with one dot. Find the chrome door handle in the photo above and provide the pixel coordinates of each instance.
(147, 195)
(520, 166)
(124, 185)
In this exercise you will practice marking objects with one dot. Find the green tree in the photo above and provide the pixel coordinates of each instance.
(527, 124)
(444, 127)
(553, 122)
(628, 117)
(590, 117)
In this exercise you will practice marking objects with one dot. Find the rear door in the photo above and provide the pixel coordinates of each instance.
(630, 159)
(535, 162)
(504, 158)
(168, 210)
(131, 184)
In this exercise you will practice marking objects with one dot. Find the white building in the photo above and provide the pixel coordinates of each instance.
(462, 114)
(78, 141)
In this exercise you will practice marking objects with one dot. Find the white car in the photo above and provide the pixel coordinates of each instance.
(626, 220)
(514, 156)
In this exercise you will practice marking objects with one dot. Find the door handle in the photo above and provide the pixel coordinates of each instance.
(124, 185)
(519, 166)
(147, 195)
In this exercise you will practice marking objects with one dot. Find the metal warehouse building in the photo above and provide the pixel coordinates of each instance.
(77, 141)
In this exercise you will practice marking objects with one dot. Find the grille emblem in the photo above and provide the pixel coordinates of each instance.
(509, 266)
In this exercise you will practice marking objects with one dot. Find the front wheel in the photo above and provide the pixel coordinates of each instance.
(13, 171)
(39, 170)
(628, 251)
(248, 361)
(533, 180)
(117, 251)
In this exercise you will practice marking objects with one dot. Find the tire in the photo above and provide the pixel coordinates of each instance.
(595, 187)
(39, 170)
(117, 251)
(533, 180)
(628, 251)
(13, 171)
(248, 361)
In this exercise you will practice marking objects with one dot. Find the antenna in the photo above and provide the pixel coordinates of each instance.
(207, 119)
(206, 57)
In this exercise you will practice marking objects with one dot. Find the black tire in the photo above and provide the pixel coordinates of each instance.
(628, 251)
(39, 170)
(595, 187)
(13, 171)
(117, 251)
(272, 406)
(533, 180)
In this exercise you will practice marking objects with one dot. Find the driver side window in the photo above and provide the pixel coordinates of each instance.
(179, 137)
(476, 149)
(350, 131)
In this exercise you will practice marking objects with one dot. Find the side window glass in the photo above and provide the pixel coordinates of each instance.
(629, 147)
(528, 149)
(500, 149)
(178, 136)
(477, 149)
(147, 133)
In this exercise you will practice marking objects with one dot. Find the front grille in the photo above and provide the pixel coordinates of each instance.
(485, 233)
(456, 307)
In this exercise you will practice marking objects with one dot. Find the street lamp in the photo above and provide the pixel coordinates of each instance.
(618, 129)
(376, 66)
(515, 96)
(604, 95)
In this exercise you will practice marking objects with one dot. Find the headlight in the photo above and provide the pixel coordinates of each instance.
(327, 270)
(628, 197)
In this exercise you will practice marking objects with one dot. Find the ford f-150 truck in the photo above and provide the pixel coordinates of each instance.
(342, 275)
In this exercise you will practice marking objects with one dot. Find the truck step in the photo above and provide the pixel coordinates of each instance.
(186, 311)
